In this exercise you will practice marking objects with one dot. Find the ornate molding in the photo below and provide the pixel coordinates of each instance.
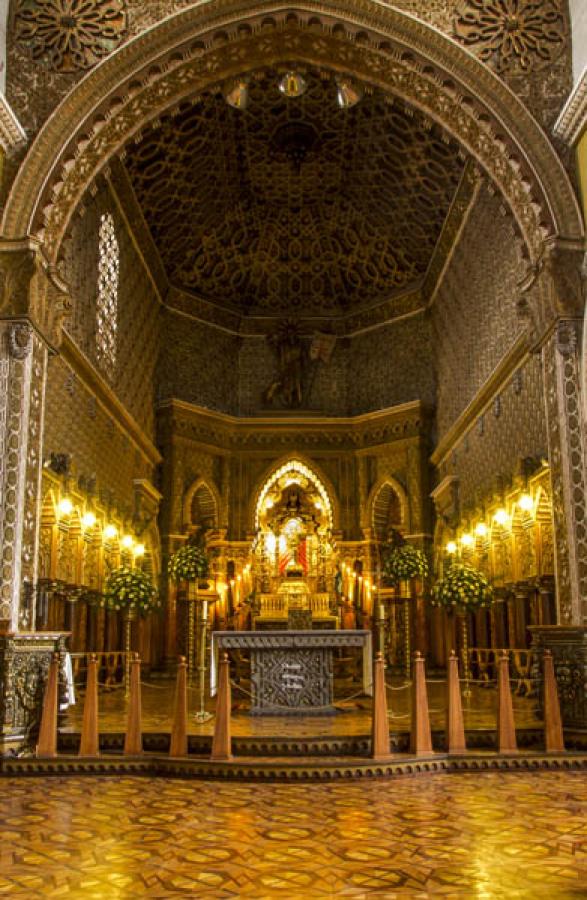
(12, 134)
(20, 336)
(572, 121)
(199, 47)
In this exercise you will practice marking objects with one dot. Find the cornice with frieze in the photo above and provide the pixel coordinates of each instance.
(181, 420)
(572, 121)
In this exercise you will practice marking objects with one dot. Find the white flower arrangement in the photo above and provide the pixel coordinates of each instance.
(131, 590)
(405, 561)
(188, 564)
(463, 589)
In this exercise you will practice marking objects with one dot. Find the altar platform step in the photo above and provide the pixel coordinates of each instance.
(288, 770)
(355, 746)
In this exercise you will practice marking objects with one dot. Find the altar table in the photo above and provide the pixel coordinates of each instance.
(292, 671)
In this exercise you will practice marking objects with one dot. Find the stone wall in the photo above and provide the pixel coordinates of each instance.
(100, 450)
(198, 364)
(474, 318)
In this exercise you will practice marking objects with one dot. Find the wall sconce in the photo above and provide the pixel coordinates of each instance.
(127, 541)
(481, 529)
(88, 520)
(526, 503)
(139, 550)
(467, 540)
(110, 532)
(451, 547)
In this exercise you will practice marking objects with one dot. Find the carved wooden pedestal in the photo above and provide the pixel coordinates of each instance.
(568, 645)
(24, 663)
(292, 671)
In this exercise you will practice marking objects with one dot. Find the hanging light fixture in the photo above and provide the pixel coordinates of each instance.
(292, 84)
(237, 94)
(347, 93)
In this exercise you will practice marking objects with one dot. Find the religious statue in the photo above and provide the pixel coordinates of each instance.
(287, 344)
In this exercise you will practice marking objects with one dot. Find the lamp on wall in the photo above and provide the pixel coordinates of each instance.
(451, 547)
(481, 529)
(526, 503)
(501, 517)
(110, 532)
(88, 520)
(65, 507)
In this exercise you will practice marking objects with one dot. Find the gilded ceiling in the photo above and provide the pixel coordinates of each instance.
(294, 204)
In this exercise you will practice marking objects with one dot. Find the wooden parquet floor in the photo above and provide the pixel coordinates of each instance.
(499, 835)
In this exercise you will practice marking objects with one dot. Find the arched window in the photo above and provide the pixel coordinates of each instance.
(107, 300)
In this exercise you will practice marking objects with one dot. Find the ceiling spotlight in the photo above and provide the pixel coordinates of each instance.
(451, 547)
(347, 93)
(88, 520)
(237, 94)
(65, 506)
(481, 529)
(292, 84)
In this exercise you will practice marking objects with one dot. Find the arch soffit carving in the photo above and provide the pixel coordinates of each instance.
(191, 493)
(314, 468)
(394, 484)
(202, 46)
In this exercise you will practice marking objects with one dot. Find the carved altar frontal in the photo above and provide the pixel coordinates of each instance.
(292, 671)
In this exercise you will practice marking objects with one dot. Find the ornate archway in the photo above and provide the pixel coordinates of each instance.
(205, 45)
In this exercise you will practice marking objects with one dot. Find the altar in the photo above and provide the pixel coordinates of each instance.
(292, 671)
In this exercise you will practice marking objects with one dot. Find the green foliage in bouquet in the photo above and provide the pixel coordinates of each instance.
(188, 564)
(404, 561)
(131, 589)
(463, 589)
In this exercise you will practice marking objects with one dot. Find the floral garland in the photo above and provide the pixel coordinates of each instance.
(131, 589)
(405, 561)
(188, 564)
(463, 589)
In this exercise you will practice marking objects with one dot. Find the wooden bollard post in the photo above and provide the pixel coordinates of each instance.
(47, 744)
(506, 728)
(379, 722)
(133, 740)
(178, 745)
(221, 743)
(420, 736)
(89, 742)
(553, 727)
(455, 726)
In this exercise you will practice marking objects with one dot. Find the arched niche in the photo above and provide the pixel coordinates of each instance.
(199, 48)
(201, 506)
(387, 508)
(296, 467)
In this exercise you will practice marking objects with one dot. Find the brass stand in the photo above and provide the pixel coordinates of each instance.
(407, 643)
(465, 649)
(128, 619)
(191, 638)
(202, 715)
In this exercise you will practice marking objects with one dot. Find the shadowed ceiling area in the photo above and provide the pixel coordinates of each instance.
(294, 204)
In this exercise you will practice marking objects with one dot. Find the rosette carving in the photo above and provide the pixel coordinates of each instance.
(514, 36)
(70, 34)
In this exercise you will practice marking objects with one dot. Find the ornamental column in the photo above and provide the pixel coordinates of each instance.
(23, 372)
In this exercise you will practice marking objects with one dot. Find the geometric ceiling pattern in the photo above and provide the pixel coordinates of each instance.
(294, 205)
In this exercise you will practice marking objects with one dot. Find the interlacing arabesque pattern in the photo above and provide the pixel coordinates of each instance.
(515, 36)
(70, 35)
(237, 223)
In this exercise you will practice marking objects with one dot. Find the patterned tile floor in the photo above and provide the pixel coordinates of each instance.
(499, 835)
(352, 718)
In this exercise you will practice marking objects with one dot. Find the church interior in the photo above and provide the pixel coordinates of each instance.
(293, 430)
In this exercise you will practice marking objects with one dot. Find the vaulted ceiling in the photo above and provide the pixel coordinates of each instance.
(294, 205)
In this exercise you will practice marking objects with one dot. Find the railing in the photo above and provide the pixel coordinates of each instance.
(112, 665)
(483, 663)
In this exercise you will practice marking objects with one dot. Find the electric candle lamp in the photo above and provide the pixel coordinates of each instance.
(139, 550)
(451, 547)
(481, 529)
(467, 540)
(65, 506)
(127, 541)
(501, 517)
(526, 503)
(88, 520)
